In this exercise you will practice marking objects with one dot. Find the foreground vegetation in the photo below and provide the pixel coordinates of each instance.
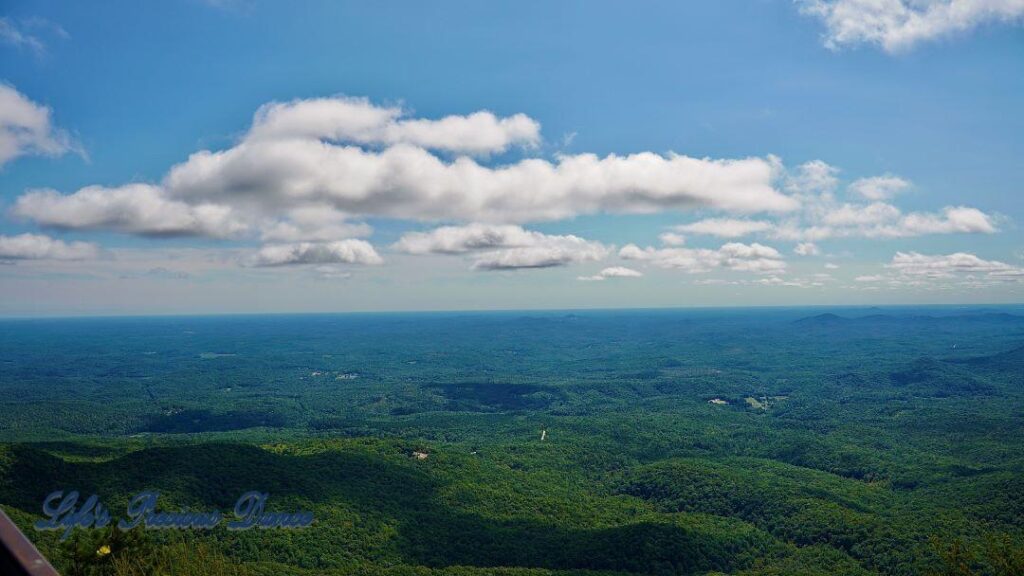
(725, 442)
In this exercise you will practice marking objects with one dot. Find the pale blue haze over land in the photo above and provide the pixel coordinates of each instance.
(823, 158)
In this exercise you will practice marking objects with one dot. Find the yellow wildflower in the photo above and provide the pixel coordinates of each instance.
(103, 551)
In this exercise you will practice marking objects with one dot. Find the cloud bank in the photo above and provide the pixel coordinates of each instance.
(503, 247)
(338, 252)
(361, 160)
(307, 175)
(733, 256)
(865, 214)
(134, 208)
(948, 265)
(40, 247)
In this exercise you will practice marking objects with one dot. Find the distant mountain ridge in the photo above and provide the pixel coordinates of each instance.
(832, 319)
(938, 378)
(1011, 360)
(826, 319)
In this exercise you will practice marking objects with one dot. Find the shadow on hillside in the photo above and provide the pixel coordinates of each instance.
(428, 532)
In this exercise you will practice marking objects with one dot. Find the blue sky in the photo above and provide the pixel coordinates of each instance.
(660, 154)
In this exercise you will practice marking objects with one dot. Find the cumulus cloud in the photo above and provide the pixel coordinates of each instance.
(612, 272)
(462, 239)
(879, 187)
(953, 219)
(812, 178)
(671, 239)
(896, 25)
(307, 173)
(724, 227)
(503, 247)
(26, 128)
(338, 252)
(40, 247)
(940, 272)
(136, 208)
(408, 182)
(733, 256)
(882, 220)
(948, 265)
(556, 254)
(364, 160)
(806, 249)
(821, 215)
(357, 120)
(313, 223)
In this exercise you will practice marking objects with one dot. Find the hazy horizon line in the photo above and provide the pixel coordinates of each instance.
(753, 307)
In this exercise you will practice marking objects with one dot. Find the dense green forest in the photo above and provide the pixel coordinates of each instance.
(747, 442)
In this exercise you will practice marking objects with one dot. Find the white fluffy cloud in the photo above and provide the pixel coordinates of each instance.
(612, 272)
(462, 239)
(363, 160)
(733, 256)
(879, 187)
(313, 223)
(338, 252)
(503, 247)
(812, 178)
(962, 270)
(672, 239)
(724, 227)
(945, 266)
(26, 128)
(40, 247)
(358, 121)
(308, 172)
(881, 220)
(555, 254)
(135, 208)
(953, 219)
(821, 215)
(408, 182)
(806, 249)
(896, 25)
